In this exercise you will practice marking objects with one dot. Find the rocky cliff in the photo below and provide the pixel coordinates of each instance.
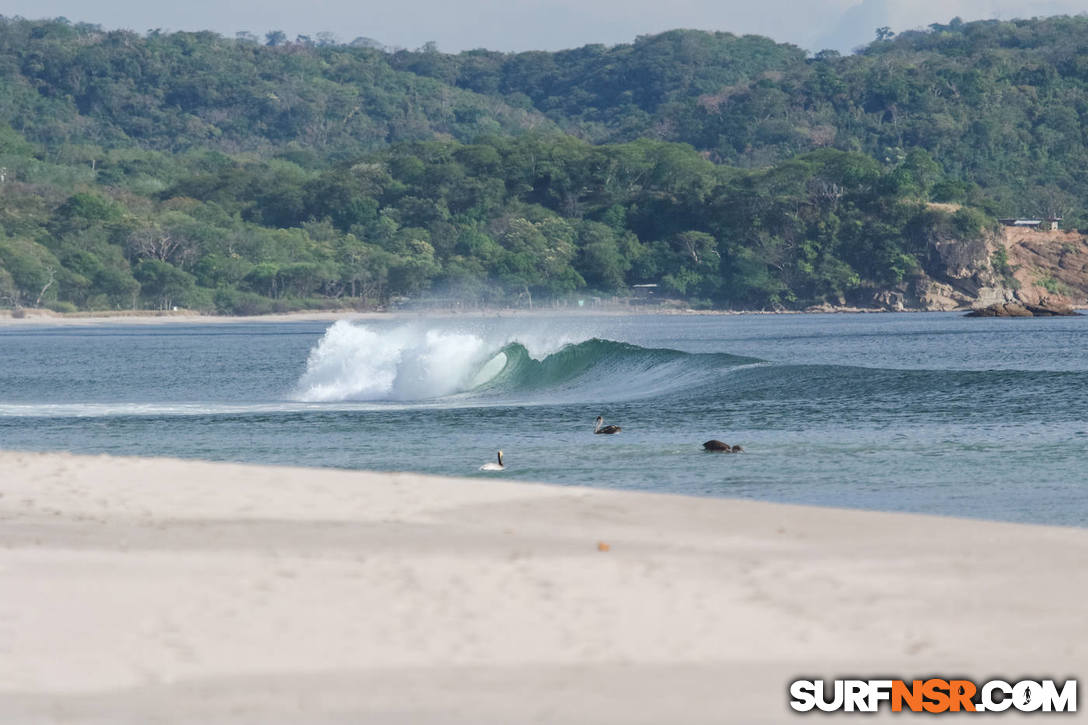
(1049, 265)
(1002, 265)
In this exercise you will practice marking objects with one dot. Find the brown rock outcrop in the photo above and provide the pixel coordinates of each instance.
(1007, 272)
(1050, 267)
(1015, 309)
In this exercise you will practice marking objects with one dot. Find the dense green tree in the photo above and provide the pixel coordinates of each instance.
(601, 263)
(164, 284)
(31, 272)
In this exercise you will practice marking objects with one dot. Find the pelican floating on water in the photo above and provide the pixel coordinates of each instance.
(719, 447)
(494, 466)
(606, 430)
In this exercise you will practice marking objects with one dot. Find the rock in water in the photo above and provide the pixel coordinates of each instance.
(1017, 309)
(1051, 309)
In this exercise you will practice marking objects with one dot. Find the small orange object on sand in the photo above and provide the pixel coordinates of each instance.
(601, 546)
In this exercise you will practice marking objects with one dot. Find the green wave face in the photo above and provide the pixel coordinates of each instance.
(599, 369)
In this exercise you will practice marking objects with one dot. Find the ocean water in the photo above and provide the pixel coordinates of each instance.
(925, 412)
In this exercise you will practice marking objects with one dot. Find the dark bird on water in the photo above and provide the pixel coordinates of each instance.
(719, 447)
(606, 430)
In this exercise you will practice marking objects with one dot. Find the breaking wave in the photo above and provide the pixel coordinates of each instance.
(358, 363)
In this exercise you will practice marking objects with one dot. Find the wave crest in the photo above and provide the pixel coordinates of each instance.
(354, 362)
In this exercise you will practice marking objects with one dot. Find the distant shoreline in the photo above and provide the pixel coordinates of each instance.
(47, 317)
(147, 317)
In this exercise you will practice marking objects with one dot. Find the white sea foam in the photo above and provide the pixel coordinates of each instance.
(355, 362)
(167, 409)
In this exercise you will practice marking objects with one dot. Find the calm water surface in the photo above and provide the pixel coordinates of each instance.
(927, 412)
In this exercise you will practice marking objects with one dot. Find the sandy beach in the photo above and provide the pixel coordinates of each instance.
(39, 318)
(154, 590)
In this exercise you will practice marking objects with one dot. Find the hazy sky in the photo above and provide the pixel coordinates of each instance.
(537, 24)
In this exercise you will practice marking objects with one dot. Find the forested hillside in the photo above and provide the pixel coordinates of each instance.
(998, 104)
(225, 174)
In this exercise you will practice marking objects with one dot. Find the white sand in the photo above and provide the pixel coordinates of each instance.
(150, 590)
(47, 318)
